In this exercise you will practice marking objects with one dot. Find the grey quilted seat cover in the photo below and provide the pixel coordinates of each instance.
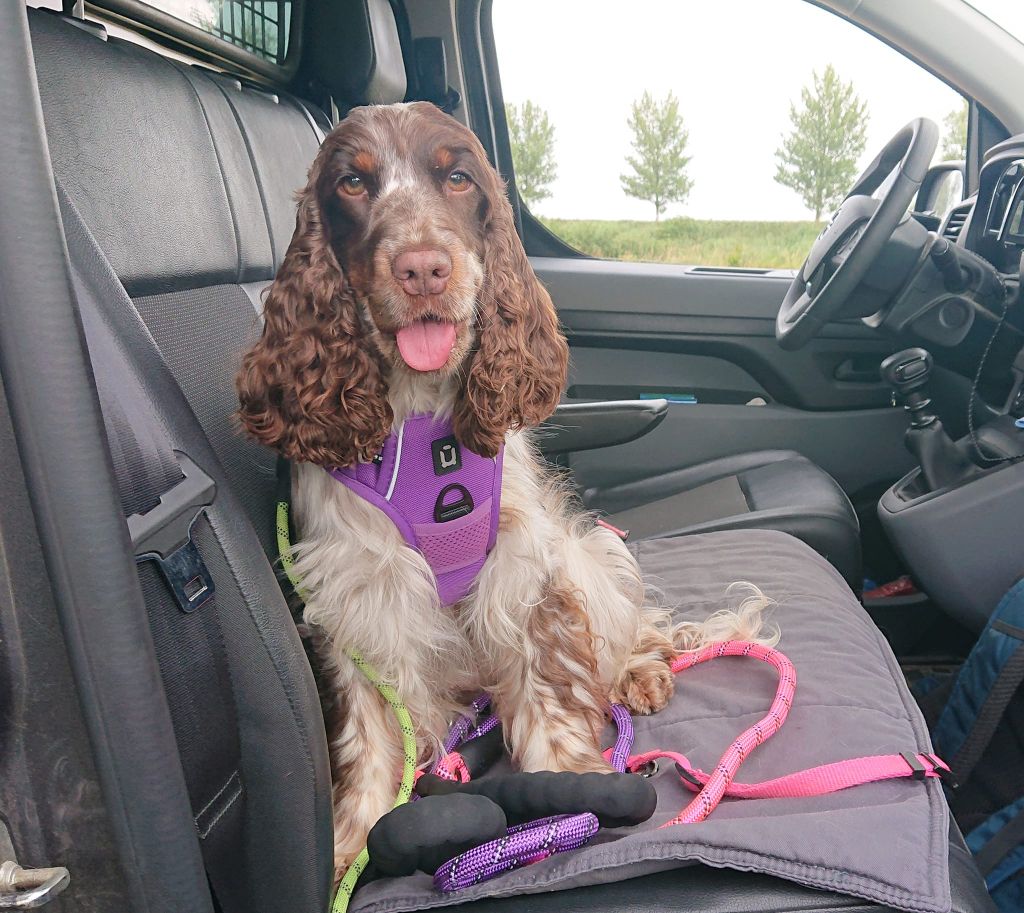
(886, 842)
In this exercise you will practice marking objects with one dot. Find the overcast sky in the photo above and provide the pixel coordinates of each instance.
(735, 66)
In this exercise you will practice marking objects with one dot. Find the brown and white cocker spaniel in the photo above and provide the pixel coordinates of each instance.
(406, 291)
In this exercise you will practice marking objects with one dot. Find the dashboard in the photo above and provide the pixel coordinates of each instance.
(991, 224)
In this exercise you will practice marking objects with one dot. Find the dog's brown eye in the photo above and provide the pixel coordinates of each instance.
(459, 180)
(353, 185)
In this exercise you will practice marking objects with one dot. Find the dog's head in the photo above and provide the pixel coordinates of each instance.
(404, 261)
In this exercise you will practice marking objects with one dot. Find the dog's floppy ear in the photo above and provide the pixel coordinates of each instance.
(312, 388)
(517, 374)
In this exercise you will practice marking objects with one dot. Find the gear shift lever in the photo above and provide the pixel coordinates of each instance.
(941, 461)
(907, 372)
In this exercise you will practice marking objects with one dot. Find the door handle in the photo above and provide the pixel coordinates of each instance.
(854, 371)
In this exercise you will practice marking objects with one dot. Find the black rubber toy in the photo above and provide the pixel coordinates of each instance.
(481, 753)
(422, 835)
(618, 800)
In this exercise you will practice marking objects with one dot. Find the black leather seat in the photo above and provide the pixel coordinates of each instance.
(769, 489)
(189, 214)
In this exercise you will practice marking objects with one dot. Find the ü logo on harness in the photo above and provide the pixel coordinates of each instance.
(446, 455)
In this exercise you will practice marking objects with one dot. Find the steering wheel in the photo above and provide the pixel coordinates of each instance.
(856, 234)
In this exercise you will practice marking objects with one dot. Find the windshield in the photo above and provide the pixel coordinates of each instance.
(1007, 14)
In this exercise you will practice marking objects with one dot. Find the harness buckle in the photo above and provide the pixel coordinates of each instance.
(164, 535)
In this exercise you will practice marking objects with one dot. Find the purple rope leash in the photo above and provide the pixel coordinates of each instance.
(623, 740)
(523, 844)
(463, 729)
(535, 840)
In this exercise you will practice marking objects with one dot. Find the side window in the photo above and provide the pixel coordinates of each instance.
(719, 134)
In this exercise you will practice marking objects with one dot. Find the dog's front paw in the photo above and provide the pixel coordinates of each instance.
(341, 865)
(347, 847)
(647, 687)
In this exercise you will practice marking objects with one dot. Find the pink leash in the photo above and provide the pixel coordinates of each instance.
(718, 783)
(494, 858)
(816, 781)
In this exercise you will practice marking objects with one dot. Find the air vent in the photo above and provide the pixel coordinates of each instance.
(955, 221)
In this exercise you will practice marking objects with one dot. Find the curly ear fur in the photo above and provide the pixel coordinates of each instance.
(312, 388)
(516, 377)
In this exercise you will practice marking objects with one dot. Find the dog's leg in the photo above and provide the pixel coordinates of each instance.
(549, 694)
(559, 615)
(531, 629)
(366, 762)
(636, 644)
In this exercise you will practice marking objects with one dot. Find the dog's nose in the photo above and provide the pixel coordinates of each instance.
(422, 272)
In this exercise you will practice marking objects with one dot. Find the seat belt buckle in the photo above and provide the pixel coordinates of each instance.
(164, 535)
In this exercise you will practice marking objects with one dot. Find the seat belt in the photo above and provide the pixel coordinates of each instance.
(164, 495)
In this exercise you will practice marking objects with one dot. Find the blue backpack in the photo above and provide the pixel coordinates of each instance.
(977, 722)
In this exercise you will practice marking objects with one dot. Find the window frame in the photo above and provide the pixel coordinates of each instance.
(486, 110)
(182, 36)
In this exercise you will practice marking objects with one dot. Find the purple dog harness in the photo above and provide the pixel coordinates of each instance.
(443, 498)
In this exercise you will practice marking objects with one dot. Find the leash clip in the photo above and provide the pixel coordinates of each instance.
(648, 770)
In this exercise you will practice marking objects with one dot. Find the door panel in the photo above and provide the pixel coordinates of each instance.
(862, 450)
(662, 307)
(650, 329)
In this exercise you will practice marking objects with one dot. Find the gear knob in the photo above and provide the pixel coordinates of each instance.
(907, 372)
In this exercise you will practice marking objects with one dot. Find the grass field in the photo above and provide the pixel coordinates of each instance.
(697, 242)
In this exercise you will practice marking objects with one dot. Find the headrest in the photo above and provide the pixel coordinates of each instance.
(185, 178)
(356, 52)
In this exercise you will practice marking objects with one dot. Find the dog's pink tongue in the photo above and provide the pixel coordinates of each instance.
(426, 344)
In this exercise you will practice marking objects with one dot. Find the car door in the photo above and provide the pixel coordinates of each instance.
(681, 303)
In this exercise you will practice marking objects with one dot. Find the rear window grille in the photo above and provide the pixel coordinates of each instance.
(257, 26)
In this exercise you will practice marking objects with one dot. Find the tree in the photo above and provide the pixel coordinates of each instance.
(829, 131)
(659, 165)
(954, 136)
(532, 136)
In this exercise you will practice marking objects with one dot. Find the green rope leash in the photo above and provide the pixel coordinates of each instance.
(348, 882)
